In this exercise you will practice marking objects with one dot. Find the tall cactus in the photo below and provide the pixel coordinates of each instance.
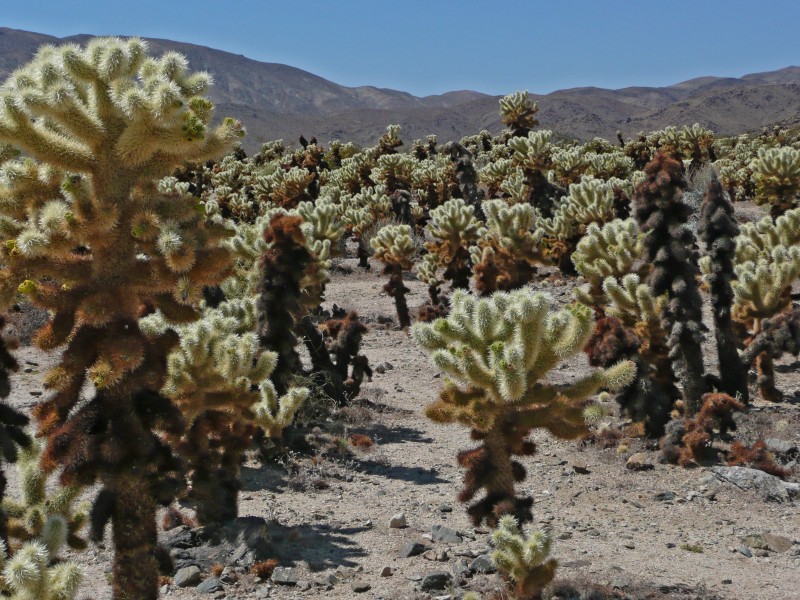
(91, 236)
(718, 229)
(495, 353)
(670, 248)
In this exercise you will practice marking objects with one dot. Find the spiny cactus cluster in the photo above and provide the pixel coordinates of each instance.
(91, 235)
(181, 284)
(495, 354)
(523, 559)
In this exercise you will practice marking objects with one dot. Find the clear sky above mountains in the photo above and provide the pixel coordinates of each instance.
(433, 46)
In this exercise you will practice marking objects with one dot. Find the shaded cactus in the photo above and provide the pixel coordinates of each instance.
(48, 518)
(12, 423)
(495, 353)
(718, 229)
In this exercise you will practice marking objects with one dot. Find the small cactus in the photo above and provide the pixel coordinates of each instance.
(394, 246)
(523, 559)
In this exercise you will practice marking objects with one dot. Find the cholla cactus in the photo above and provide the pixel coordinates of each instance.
(533, 154)
(12, 422)
(427, 273)
(452, 229)
(523, 559)
(613, 250)
(49, 519)
(518, 113)
(590, 201)
(776, 173)
(633, 330)
(27, 575)
(697, 145)
(512, 246)
(494, 174)
(670, 248)
(283, 271)
(767, 263)
(95, 238)
(495, 354)
(389, 141)
(394, 246)
(394, 171)
(718, 229)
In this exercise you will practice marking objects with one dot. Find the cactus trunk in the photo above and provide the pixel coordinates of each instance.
(216, 495)
(397, 290)
(135, 540)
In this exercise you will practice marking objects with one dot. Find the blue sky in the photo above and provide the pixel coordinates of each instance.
(433, 46)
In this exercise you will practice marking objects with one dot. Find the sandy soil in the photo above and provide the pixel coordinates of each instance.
(331, 516)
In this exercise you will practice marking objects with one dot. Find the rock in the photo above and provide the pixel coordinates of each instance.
(765, 485)
(580, 468)
(228, 575)
(398, 521)
(410, 549)
(782, 447)
(240, 542)
(209, 586)
(187, 577)
(744, 551)
(666, 496)
(284, 576)
(461, 568)
(387, 572)
(768, 541)
(436, 555)
(639, 462)
(435, 581)
(483, 564)
(440, 533)
(360, 586)
(630, 546)
(164, 589)
(304, 585)
(445, 508)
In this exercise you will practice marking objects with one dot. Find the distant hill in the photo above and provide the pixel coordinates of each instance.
(278, 101)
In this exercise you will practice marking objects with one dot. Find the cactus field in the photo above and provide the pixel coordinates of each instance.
(514, 366)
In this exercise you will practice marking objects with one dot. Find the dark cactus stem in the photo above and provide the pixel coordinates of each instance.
(135, 540)
(458, 270)
(467, 178)
(363, 256)
(718, 229)
(670, 247)
(397, 290)
(282, 268)
(12, 424)
(778, 335)
(649, 398)
(541, 193)
(490, 467)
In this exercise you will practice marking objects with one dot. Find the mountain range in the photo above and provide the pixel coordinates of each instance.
(279, 101)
